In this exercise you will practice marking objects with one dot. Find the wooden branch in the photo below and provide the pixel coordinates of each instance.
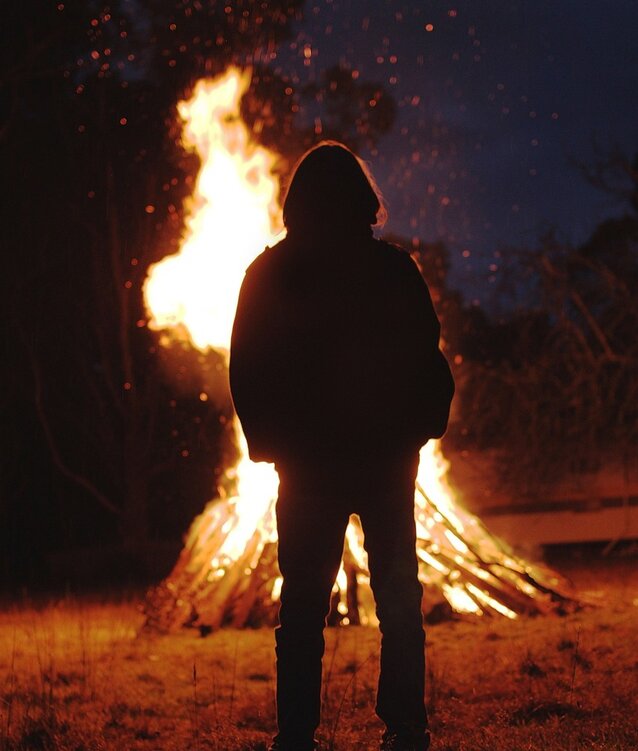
(578, 301)
(480, 561)
(593, 324)
(59, 462)
(122, 294)
(115, 392)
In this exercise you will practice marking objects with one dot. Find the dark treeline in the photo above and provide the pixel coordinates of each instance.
(105, 441)
(553, 388)
(550, 388)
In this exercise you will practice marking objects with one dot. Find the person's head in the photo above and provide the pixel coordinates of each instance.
(331, 186)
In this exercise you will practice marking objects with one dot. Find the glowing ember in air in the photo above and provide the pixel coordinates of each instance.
(227, 572)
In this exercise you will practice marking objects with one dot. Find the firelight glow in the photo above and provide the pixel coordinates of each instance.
(232, 215)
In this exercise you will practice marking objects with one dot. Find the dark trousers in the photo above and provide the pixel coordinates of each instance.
(312, 515)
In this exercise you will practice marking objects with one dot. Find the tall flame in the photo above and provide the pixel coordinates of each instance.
(232, 215)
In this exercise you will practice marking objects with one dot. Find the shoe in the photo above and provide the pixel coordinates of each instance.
(405, 742)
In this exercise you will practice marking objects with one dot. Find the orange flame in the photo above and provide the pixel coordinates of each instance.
(232, 215)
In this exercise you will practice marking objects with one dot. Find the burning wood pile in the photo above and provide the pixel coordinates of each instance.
(227, 572)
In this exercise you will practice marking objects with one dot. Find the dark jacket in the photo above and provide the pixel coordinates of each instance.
(335, 353)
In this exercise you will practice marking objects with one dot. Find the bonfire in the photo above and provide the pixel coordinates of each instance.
(227, 572)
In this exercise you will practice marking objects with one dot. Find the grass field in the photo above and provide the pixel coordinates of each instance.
(76, 675)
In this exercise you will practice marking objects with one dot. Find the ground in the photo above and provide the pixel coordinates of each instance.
(76, 674)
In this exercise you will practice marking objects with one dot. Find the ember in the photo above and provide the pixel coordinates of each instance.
(227, 572)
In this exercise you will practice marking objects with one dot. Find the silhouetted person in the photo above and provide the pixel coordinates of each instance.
(338, 379)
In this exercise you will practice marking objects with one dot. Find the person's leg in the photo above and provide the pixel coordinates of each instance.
(311, 533)
(390, 541)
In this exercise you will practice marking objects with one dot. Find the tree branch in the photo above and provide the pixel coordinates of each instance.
(59, 462)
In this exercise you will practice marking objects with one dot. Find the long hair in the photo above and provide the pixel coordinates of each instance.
(331, 186)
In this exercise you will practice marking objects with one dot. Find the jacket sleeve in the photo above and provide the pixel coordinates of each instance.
(431, 379)
(253, 363)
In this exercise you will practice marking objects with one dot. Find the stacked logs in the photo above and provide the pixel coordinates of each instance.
(462, 566)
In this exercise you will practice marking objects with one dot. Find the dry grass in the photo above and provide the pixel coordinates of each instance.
(74, 675)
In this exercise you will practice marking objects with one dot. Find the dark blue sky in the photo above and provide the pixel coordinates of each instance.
(494, 100)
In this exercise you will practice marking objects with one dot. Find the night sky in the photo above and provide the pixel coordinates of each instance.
(496, 101)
